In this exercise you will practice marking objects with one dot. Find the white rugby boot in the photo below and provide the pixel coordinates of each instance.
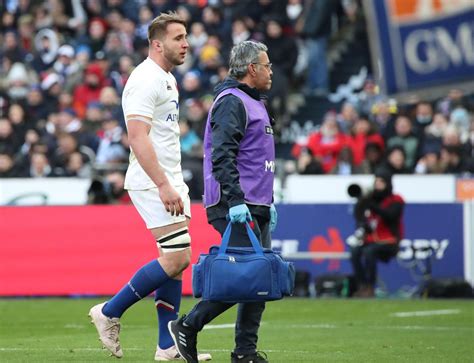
(172, 354)
(108, 329)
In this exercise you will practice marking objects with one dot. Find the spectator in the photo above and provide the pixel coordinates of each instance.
(7, 165)
(18, 119)
(240, 31)
(368, 97)
(68, 16)
(383, 115)
(76, 166)
(405, 137)
(283, 52)
(97, 32)
(215, 24)
(395, 161)
(345, 163)
(11, 47)
(294, 9)
(65, 101)
(89, 90)
(32, 137)
(316, 29)
(191, 85)
(453, 159)
(46, 46)
(196, 116)
(434, 133)
(459, 118)
(145, 16)
(423, 117)
(191, 144)
(94, 117)
(374, 154)
(120, 76)
(430, 163)
(110, 150)
(36, 108)
(67, 67)
(327, 143)
(39, 166)
(197, 38)
(26, 31)
(52, 88)
(362, 133)
(67, 145)
(114, 49)
(454, 98)
(347, 117)
(110, 102)
(18, 82)
(210, 60)
(9, 140)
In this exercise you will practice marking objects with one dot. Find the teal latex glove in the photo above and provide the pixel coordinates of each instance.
(239, 214)
(273, 217)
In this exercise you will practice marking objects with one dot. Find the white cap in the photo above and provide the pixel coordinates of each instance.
(66, 50)
(50, 79)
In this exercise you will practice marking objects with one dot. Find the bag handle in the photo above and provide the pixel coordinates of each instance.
(253, 239)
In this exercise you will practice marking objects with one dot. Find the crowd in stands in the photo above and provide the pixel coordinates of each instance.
(64, 65)
(420, 137)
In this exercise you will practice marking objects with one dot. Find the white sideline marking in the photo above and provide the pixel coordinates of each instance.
(313, 326)
(220, 326)
(407, 314)
(224, 326)
(7, 349)
(376, 327)
(74, 326)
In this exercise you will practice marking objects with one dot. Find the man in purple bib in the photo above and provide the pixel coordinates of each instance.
(239, 167)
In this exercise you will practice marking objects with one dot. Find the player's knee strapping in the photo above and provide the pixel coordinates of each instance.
(175, 241)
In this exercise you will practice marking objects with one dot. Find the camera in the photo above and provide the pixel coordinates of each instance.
(358, 192)
(363, 196)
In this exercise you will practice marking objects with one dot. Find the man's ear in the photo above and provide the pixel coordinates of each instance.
(252, 70)
(157, 45)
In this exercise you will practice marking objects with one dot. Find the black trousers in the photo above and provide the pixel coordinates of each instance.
(248, 314)
(364, 260)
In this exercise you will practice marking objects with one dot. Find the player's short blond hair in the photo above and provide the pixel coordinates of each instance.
(158, 26)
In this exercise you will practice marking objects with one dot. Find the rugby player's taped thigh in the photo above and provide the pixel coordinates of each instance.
(177, 240)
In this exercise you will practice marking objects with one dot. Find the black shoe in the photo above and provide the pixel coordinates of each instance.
(185, 340)
(258, 357)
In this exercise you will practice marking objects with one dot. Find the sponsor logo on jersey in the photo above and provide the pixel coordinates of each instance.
(268, 130)
(176, 104)
(270, 165)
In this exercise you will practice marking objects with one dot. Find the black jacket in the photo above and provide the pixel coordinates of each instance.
(317, 22)
(228, 123)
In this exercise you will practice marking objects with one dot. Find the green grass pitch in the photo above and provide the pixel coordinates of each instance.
(293, 330)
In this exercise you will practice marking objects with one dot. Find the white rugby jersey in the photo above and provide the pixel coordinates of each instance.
(152, 92)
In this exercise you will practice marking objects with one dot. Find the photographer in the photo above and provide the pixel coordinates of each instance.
(379, 220)
(108, 189)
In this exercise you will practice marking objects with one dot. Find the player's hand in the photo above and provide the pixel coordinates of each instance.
(171, 200)
(273, 217)
(239, 214)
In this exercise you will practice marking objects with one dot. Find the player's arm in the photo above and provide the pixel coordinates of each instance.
(138, 130)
